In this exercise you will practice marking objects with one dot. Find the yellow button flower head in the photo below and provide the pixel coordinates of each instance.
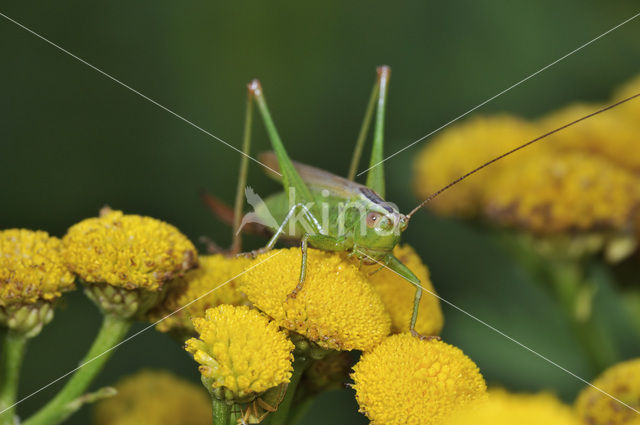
(410, 381)
(214, 275)
(155, 398)
(129, 251)
(337, 307)
(126, 259)
(503, 408)
(612, 135)
(397, 294)
(32, 274)
(462, 148)
(622, 381)
(549, 193)
(241, 353)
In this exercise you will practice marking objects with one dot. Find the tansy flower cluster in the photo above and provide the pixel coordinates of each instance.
(254, 344)
(582, 179)
(568, 192)
(458, 150)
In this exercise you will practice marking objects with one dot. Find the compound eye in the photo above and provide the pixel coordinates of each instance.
(372, 219)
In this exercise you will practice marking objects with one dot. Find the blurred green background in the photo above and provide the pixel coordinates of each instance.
(73, 140)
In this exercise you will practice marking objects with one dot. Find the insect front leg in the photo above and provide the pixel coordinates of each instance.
(398, 267)
(324, 242)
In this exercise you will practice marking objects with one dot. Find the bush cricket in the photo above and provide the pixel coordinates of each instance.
(334, 213)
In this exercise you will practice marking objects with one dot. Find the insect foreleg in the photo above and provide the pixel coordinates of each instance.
(324, 242)
(399, 268)
(303, 267)
(416, 306)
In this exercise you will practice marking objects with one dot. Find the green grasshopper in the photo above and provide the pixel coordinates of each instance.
(333, 213)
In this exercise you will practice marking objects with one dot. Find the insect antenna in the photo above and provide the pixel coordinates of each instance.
(524, 145)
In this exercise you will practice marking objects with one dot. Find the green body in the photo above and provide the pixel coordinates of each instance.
(332, 213)
(341, 207)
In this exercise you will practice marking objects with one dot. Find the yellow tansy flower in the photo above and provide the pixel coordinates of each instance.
(503, 408)
(213, 275)
(126, 260)
(241, 353)
(31, 267)
(397, 294)
(155, 398)
(337, 307)
(550, 193)
(128, 251)
(458, 150)
(410, 381)
(32, 274)
(622, 381)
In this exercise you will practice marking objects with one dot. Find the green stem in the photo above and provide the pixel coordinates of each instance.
(60, 407)
(12, 353)
(568, 282)
(567, 279)
(221, 411)
(280, 416)
(301, 409)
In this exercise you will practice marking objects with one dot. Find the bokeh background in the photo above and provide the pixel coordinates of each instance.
(73, 140)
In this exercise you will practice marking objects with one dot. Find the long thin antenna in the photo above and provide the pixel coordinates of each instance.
(459, 179)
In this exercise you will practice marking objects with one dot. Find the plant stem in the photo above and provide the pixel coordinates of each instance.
(301, 409)
(221, 411)
(568, 281)
(566, 277)
(60, 407)
(12, 353)
(280, 416)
